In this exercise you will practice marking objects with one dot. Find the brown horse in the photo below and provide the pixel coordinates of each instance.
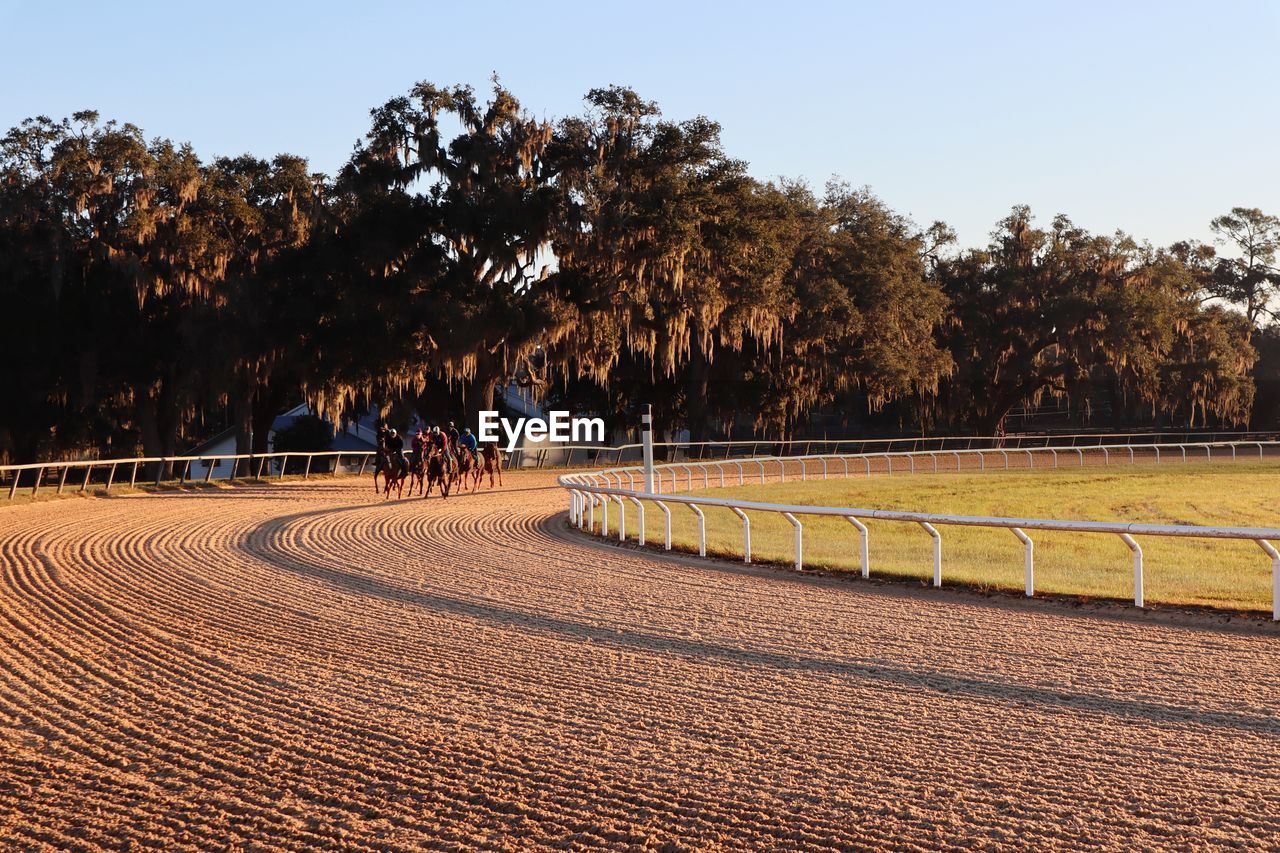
(468, 468)
(437, 472)
(417, 473)
(492, 458)
(396, 473)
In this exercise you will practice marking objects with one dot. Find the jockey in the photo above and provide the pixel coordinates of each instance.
(453, 436)
(395, 447)
(468, 441)
(419, 445)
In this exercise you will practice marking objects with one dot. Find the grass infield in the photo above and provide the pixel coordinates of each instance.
(1199, 572)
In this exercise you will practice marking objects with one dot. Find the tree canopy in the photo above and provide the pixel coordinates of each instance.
(604, 259)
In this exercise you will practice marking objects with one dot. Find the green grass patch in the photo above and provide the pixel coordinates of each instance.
(1198, 572)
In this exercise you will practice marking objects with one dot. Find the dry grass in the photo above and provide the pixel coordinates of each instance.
(1202, 572)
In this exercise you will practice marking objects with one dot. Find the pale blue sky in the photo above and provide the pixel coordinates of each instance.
(1153, 117)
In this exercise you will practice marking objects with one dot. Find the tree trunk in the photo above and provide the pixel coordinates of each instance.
(266, 403)
(698, 372)
(158, 420)
(242, 416)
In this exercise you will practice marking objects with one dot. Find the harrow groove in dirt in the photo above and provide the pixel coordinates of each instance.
(307, 666)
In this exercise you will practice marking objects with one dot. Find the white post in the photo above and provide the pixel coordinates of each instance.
(862, 534)
(799, 539)
(604, 516)
(1028, 560)
(1275, 577)
(702, 530)
(746, 534)
(666, 512)
(622, 519)
(640, 516)
(1138, 597)
(937, 551)
(646, 439)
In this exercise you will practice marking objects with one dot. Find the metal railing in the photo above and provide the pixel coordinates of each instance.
(589, 490)
(172, 469)
(553, 455)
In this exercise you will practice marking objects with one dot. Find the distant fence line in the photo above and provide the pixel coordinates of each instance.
(598, 489)
(81, 475)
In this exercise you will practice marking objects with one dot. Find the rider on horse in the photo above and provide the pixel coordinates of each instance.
(419, 448)
(395, 449)
(468, 442)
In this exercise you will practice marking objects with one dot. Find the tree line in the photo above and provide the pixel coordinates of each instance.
(615, 257)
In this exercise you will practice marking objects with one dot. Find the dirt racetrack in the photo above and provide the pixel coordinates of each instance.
(301, 666)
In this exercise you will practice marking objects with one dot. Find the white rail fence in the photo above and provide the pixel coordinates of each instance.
(551, 455)
(82, 474)
(589, 491)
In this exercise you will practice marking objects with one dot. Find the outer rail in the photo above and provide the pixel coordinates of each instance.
(587, 488)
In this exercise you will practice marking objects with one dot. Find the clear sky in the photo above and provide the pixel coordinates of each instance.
(1152, 117)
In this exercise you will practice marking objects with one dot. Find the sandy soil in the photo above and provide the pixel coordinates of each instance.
(300, 667)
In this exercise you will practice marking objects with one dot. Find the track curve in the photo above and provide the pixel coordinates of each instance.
(305, 666)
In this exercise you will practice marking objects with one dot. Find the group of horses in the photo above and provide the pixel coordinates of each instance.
(437, 468)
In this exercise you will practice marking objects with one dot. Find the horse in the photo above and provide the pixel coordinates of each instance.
(381, 465)
(395, 475)
(467, 467)
(492, 455)
(437, 472)
(417, 472)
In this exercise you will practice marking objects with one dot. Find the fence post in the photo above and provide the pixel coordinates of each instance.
(13, 487)
(62, 478)
(88, 472)
(746, 534)
(208, 475)
(186, 470)
(1028, 560)
(1275, 577)
(306, 472)
(1106, 456)
(666, 524)
(1138, 597)
(604, 516)
(865, 553)
(937, 551)
(622, 519)
(799, 540)
(702, 530)
(133, 478)
(35, 487)
(111, 476)
(640, 518)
